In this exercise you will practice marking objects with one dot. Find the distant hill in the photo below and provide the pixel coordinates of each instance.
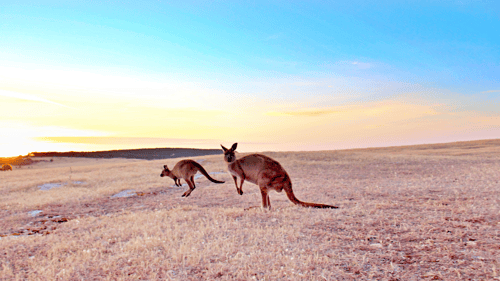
(144, 153)
(18, 161)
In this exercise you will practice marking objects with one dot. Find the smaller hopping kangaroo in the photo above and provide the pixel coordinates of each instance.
(265, 172)
(186, 169)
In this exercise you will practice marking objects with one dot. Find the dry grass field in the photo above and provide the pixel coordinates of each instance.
(429, 212)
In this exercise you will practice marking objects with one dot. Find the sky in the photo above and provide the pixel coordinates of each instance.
(270, 75)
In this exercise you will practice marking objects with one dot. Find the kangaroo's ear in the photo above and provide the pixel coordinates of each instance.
(223, 148)
(233, 148)
(165, 167)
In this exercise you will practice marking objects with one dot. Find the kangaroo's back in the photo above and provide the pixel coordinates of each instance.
(185, 168)
(253, 167)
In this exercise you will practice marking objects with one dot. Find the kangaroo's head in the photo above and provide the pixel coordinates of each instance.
(229, 156)
(166, 172)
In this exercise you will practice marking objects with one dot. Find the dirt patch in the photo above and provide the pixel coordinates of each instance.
(47, 219)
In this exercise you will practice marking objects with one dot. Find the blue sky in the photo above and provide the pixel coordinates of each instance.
(301, 56)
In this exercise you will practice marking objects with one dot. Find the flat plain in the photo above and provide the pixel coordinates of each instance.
(424, 212)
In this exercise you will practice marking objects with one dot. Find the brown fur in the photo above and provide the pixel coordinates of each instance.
(186, 169)
(264, 172)
(6, 167)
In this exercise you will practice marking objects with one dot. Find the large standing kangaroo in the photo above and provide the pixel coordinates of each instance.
(186, 169)
(264, 172)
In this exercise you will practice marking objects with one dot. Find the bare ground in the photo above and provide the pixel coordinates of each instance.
(406, 213)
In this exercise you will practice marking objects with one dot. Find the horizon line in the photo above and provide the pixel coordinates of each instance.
(194, 148)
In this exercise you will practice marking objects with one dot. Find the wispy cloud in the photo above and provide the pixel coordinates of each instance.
(361, 65)
(276, 36)
(350, 65)
(23, 96)
(131, 141)
(384, 109)
(491, 91)
(304, 112)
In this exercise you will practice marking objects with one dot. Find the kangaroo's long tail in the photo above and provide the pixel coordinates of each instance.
(204, 172)
(291, 196)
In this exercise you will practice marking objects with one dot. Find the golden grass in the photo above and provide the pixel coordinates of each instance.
(405, 214)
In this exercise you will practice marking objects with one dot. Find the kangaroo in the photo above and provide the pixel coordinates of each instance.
(186, 169)
(264, 172)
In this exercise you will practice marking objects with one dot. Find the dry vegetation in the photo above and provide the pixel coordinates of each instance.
(406, 213)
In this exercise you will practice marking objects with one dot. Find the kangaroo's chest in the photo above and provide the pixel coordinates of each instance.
(242, 171)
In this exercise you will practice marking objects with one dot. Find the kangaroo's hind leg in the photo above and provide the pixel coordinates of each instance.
(266, 203)
(192, 186)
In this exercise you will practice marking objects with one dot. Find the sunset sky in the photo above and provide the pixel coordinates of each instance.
(270, 75)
